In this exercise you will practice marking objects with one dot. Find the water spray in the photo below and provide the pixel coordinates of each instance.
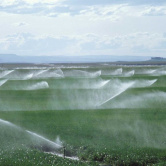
(56, 145)
(129, 85)
(44, 139)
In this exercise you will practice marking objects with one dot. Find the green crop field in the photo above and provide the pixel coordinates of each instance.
(101, 114)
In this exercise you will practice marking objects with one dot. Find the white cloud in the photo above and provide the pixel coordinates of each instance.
(110, 2)
(5, 3)
(31, 2)
(132, 44)
(53, 27)
(55, 7)
(20, 24)
(30, 6)
(43, 1)
(103, 12)
(154, 11)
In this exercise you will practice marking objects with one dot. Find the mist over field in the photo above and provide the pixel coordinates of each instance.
(86, 108)
(54, 88)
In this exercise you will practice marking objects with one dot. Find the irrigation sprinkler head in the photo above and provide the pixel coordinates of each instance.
(64, 151)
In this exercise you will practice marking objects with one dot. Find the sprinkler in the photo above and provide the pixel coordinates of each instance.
(64, 152)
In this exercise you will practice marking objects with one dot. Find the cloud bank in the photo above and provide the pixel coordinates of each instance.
(75, 27)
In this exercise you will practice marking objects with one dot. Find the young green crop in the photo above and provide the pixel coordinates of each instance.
(107, 136)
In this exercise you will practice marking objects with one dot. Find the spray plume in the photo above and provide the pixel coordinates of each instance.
(117, 94)
(41, 138)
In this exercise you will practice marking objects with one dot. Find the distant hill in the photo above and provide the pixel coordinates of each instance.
(158, 59)
(13, 58)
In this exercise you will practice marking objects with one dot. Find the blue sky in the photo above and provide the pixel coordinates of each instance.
(83, 27)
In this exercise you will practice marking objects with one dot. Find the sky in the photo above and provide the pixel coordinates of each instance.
(83, 27)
